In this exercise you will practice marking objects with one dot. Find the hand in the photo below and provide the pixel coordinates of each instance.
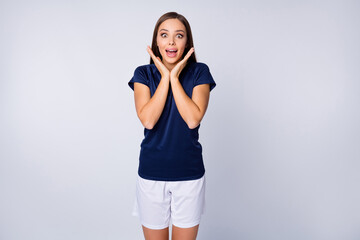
(165, 73)
(175, 72)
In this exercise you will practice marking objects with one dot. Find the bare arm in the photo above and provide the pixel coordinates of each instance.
(192, 110)
(149, 108)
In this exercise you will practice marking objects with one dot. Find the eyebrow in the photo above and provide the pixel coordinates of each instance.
(168, 30)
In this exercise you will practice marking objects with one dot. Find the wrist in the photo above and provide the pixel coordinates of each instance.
(165, 77)
(174, 78)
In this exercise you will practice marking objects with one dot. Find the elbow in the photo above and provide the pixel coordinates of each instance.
(193, 124)
(146, 122)
(148, 125)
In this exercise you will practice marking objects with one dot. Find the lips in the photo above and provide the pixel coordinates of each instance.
(171, 49)
(171, 52)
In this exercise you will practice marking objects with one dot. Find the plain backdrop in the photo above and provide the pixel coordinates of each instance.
(281, 137)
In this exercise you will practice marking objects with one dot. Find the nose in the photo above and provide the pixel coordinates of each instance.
(171, 42)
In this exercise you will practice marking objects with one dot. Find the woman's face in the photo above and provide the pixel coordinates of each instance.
(171, 40)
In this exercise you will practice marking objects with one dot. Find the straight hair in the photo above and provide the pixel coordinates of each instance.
(189, 43)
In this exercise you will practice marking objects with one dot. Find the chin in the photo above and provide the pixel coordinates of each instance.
(171, 60)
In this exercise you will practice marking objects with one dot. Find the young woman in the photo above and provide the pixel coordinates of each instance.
(171, 97)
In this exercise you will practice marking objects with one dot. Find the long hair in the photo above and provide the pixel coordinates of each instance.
(189, 43)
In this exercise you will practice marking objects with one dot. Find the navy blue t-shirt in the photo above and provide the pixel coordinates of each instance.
(170, 151)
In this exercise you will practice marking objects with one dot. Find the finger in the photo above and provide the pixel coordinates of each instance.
(152, 55)
(190, 52)
(157, 60)
(187, 56)
(149, 51)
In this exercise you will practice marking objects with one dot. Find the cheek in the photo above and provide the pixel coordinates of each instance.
(159, 42)
(161, 48)
(183, 44)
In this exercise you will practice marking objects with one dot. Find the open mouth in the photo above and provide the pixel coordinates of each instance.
(171, 52)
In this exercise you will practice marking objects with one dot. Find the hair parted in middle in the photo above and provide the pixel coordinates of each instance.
(189, 43)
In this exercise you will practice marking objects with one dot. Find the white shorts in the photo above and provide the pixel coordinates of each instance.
(158, 202)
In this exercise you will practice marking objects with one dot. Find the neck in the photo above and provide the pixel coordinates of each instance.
(169, 66)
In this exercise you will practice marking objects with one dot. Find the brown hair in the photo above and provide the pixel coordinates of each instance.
(189, 43)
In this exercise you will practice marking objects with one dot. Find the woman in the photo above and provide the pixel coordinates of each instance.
(171, 97)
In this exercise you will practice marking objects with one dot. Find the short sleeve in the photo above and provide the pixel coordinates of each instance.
(205, 77)
(139, 76)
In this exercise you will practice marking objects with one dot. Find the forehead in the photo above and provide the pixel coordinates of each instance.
(172, 25)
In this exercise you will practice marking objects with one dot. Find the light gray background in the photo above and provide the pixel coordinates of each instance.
(281, 136)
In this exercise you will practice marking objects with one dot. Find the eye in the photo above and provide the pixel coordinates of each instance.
(180, 35)
(163, 34)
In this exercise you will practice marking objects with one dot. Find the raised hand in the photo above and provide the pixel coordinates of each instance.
(165, 73)
(175, 72)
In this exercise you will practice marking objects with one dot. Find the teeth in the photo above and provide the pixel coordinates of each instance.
(171, 50)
